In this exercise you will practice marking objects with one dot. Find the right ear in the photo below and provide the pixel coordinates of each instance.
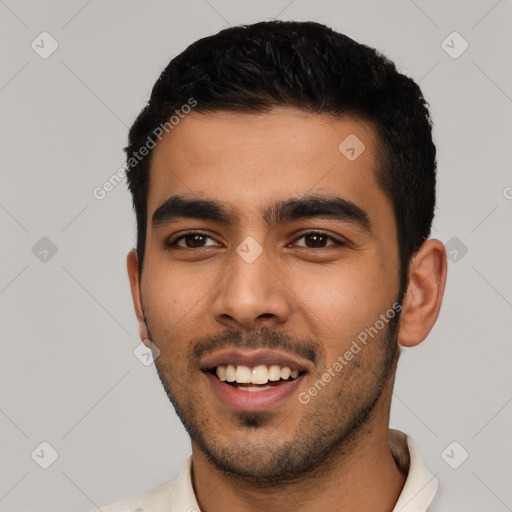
(132, 262)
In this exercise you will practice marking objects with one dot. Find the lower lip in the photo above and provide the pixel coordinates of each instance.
(253, 401)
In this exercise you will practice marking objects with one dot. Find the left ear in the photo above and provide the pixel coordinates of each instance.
(424, 295)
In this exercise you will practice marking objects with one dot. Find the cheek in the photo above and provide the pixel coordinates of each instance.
(347, 296)
(172, 291)
(176, 300)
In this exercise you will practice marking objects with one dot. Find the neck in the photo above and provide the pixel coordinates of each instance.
(361, 478)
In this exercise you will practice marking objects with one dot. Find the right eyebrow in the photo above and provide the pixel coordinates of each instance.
(178, 207)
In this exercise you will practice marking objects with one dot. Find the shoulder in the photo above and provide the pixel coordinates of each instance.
(155, 500)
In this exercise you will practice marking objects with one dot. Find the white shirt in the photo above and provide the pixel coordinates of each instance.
(178, 495)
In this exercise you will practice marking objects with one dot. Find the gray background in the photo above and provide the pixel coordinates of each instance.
(68, 374)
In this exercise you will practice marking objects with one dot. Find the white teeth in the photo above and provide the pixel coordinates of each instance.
(285, 372)
(253, 388)
(221, 372)
(230, 373)
(243, 375)
(259, 374)
(274, 372)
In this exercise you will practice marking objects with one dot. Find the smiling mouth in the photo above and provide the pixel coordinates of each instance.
(254, 378)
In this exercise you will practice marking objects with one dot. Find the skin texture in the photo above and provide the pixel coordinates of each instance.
(332, 452)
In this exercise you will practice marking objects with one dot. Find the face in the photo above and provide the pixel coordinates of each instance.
(268, 248)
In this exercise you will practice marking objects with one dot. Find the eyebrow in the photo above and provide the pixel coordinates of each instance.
(312, 206)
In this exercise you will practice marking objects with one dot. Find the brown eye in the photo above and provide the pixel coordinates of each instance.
(193, 240)
(317, 240)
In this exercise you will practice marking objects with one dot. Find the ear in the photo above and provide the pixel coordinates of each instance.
(132, 262)
(424, 295)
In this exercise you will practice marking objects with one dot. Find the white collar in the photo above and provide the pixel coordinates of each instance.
(420, 486)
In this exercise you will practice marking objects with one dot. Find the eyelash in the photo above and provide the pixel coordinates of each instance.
(308, 233)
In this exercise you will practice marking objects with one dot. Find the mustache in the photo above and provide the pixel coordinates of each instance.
(264, 338)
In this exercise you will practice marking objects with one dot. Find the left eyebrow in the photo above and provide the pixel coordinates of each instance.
(179, 207)
(333, 207)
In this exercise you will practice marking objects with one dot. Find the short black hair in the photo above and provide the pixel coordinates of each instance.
(254, 68)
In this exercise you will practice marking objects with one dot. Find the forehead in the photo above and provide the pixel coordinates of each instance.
(246, 160)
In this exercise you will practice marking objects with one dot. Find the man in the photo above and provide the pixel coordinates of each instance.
(283, 179)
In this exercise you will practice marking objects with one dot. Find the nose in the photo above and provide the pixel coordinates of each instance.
(251, 295)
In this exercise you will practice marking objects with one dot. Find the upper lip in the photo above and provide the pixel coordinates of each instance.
(253, 358)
